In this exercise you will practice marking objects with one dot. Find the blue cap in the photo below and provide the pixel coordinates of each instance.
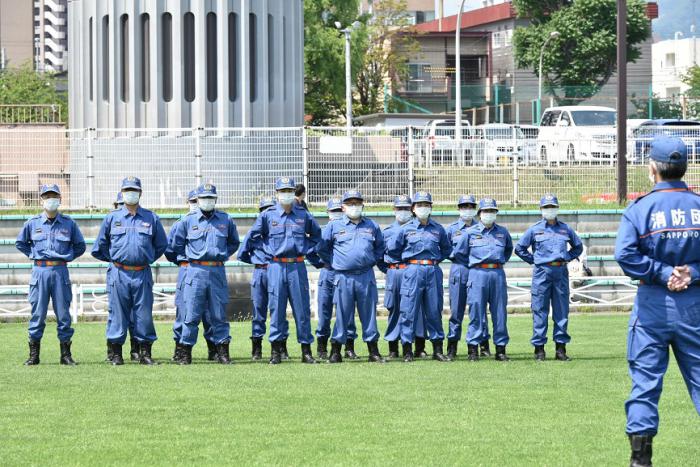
(207, 191)
(402, 201)
(669, 150)
(266, 202)
(120, 198)
(52, 188)
(422, 197)
(334, 204)
(191, 196)
(131, 182)
(284, 183)
(549, 200)
(352, 194)
(466, 199)
(488, 203)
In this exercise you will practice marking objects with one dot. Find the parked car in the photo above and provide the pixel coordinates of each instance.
(577, 133)
(687, 130)
(496, 142)
(440, 144)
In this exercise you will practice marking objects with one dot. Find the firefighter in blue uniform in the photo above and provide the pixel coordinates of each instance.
(395, 268)
(119, 201)
(353, 245)
(485, 248)
(326, 280)
(288, 234)
(252, 252)
(459, 276)
(549, 240)
(51, 240)
(206, 239)
(658, 243)
(130, 239)
(422, 244)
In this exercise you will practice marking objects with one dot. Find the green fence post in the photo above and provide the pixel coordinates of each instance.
(651, 103)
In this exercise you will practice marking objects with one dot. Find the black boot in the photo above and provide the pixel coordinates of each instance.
(177, 354)
(306, 355)
(394, 349)
(66, 356)
(437, 351)
(350, 350)
(485, 349)
(501, 353)
(407, 352)
(335, 356)
(322, 348)
(472, 353)
(452, 350)
(420, 348)
(641, 450)
(211, 351)
(284, 354)
(185, 357)
(145, 354)
(561, 353)
(110, 353)
(135, 350)
(222, 355)
(539, 353)
(275, 356)
(374, 355)
(34, 350)
(256, 352)
(117, 358)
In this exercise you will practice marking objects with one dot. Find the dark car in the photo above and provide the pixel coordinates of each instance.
(687, 130)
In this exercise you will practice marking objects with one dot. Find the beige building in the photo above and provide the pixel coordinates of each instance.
(420, 11)
(16, 33)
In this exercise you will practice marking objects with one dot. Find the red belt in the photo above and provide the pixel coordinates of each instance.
(556, 263)
(129, 268)
(489, 266)
(423, 262)
(296, 259)
(261, 266)
(43, 263)
(398, 266)
(184, 264)
(208, 263)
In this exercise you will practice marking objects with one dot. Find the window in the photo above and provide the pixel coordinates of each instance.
(212, 50)
(670, 60)
(419, 78)
(188, 49)
(167, 76)
(145, 57)
(565, 118)
(232, 56)
(124, 57)
(105, 58)
(270, 57)
(253, 53)
(91, 53)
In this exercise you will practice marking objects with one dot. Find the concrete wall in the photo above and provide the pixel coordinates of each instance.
(17, 32)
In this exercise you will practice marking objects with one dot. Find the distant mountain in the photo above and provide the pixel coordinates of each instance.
(676, 15)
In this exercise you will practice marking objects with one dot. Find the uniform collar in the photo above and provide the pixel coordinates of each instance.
(45, 218)
(417, 223)
(280, 210)
(140, 212)
(346, 220)
(670, 186)
(463, 224)
(545, 224)
(201, 215)
(481, 227)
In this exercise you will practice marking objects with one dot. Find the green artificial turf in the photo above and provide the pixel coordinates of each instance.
(424, 413)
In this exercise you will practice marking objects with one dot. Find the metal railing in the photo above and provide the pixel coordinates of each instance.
(31, 114)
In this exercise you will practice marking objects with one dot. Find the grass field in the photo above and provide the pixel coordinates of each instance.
(425, 413)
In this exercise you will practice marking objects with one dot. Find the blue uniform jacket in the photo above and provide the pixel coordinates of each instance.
(252, 251)
(347, 246)
(201, 238)
(59, 240)
(287, 235)
(480, 245)
(389, 234)
(659, 231)
(135, 240)
(549, 243)
(456, 230)
(417, 241)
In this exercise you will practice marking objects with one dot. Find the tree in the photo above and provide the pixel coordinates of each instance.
(692, 79)
(23, 86)
(583, 58)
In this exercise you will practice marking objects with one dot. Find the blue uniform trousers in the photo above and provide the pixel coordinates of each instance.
(487, 288)
(326, 287)
(50, 282)
(260, 297)
(180, 309)
(421, 298)
(392, 302)
(459, 276)
(550, 284)
(130, 304)
(205, 291)
(660, 319)
(355, 290)
(288, 282)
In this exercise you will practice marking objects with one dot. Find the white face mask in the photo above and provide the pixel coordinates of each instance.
(286, 199)
(550, 213)
(423, 213)
(51, 204)
(335, 215)
(488, 218)
(206, 204)
(353, 212)
(193, 207)
(403, 216)
(467, 214)
(131, 197)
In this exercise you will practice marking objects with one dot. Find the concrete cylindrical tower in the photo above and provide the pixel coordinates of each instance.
(185, 63)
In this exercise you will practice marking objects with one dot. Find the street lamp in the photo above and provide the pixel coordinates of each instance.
(458, 77)
(552, 35)
(348, 71)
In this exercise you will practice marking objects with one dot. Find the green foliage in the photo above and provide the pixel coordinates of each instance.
(692, 79)
(23, 86)
(583, 58)
(660, 108)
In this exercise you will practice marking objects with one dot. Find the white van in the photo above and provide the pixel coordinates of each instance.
(576, 134)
